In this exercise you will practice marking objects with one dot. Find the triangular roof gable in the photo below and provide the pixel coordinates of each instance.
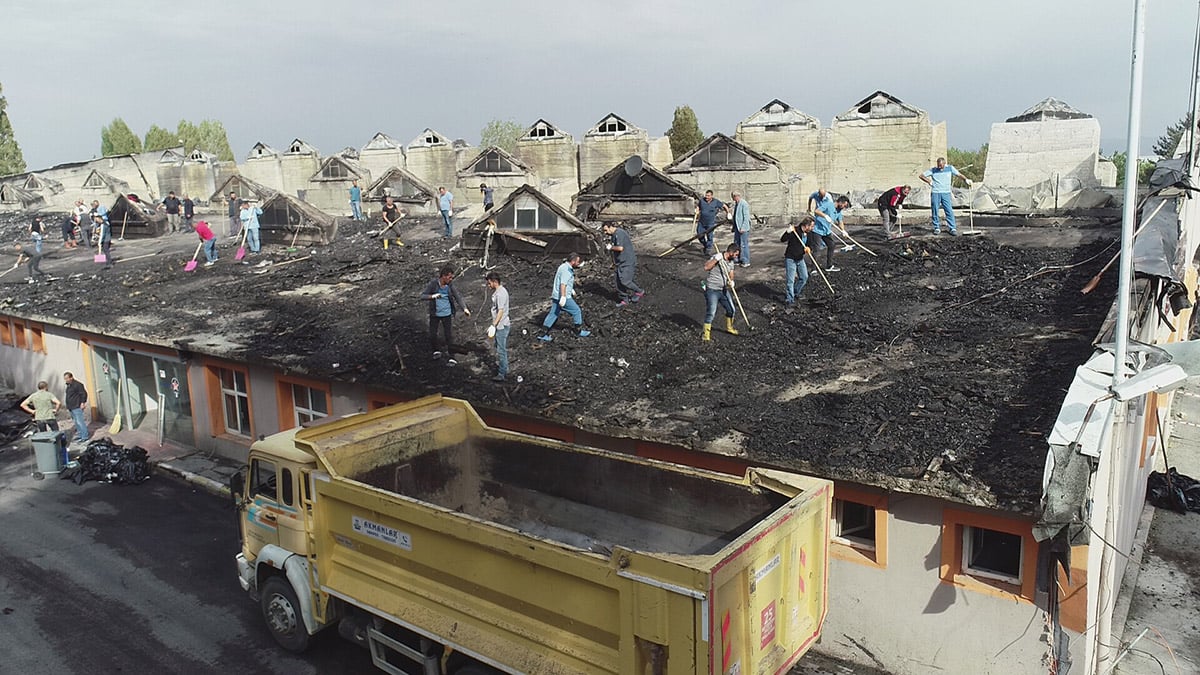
(395, 171)
(99, 179)
(352, 167)
(11, 193)
(429, 138)
(199, 155)
(881, 104)
(1049, 108)
(469, 166)
(528, 189)
(247, 186)
(381, 141)
(542, 130)
(36, 181)
(684, 162)
(779, 113)
(612, 118)
(299, 147)
(261, 149)
(170, 156)
(683, 190)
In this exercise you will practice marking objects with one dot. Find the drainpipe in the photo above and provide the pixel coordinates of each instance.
(1103, 639)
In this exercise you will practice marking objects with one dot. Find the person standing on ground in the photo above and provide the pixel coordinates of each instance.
(625, 260)
(718, 288)
(488, 200)
(741, 228)
(446, 206)
(391, 218)
(705, 220)
(501, 324)
(825, 212)
(889, 204)
(939, 178)
(444, 302)
(43, 406)
(356, 200)
(189, 212)
(33, 261)
(76, 403)
(171, 205)
(68, 230)
(209, 241)
(37, 232)
(795, 268)
(82, 218)
(249, 216)
(235, 216)
(103, 233)
(562, 299)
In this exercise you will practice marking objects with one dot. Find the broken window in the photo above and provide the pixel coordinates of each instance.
(32, 183)
(854, 524)
(308, 404)
(611, 126)
(235, 398)
(94, 181)
(527, 219)
(493, 162)
(335, 171)
(432, 139)
(541, 131)
(720, 153)
(296, 147)
(992, 554)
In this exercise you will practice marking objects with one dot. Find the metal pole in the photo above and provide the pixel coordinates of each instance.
(1102, 645)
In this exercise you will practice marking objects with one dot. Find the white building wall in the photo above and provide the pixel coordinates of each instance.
(602, 151)
(555, 162)
(1023, 154)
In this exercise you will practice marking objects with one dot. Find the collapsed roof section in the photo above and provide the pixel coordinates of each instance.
(243, 187)
(402, 186)
(1049, 109)
(135, 219)
(880, 105)
(528, 222)
(494, 161)
(648, 194)
(35, 182)
(16, 198)
(287, 220)
(721, 153)
(778, 114)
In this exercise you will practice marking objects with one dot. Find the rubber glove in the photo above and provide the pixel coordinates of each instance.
(435, 296)
(466, 311)
(491, 332)
(608, 247)
(449, 213)
(562, 301)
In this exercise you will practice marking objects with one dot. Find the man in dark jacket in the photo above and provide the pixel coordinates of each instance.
(76, 403)
(444, 301)
(796, 238)
(889, 204)
(235, 215)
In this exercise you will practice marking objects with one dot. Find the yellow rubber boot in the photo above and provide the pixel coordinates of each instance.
(707, 332)
(729, 326)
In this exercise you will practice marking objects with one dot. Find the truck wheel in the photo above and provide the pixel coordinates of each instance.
(281, 611)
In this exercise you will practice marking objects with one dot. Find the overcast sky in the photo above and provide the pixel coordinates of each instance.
(334, 73)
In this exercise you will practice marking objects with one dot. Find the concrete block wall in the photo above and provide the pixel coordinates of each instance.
(600, 152)
(466, 187)
(266, 170)
(379, 161)
(764, 189)
(1022, 154)
(555, 163)
(436, 165)
(296, 170)
(877, 154)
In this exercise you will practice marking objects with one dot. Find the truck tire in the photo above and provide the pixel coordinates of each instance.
(281, 612)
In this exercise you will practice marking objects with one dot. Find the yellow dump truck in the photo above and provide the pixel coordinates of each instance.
(450, 547)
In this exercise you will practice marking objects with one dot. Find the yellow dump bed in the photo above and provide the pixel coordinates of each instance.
(539, 556)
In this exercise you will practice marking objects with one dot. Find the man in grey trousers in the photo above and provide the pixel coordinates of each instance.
(625, 261)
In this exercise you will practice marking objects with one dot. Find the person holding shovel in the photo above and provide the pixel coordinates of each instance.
(103, 233)
(718, 288)
(705, 220)
(620, 245)
(209, 242)
(500, 326)
(889, 204)
(827, 214)
(391, 218)
(796, 270)
(562, 299)
(249, 217)
(444, 302)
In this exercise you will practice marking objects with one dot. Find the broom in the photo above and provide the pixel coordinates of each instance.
(115, 427)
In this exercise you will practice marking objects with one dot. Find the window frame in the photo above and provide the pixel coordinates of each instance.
(6, 332)
(37, 338)
(288, 414)
(254, 490)
(20, 339)
(874, 555)
(216, 400)
(954, 571)
(968, 546)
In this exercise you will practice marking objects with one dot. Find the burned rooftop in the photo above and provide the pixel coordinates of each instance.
(936, 366)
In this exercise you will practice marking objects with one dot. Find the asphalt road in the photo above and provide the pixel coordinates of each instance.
(131, 579)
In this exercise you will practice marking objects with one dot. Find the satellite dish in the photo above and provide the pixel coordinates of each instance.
(633, 166)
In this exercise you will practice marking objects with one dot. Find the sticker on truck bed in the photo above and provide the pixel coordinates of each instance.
(387, 535)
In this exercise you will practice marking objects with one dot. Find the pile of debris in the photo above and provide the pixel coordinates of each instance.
(109, 462)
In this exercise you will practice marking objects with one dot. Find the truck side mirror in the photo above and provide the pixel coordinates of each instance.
(237, 485)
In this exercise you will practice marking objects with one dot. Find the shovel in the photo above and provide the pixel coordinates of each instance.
(241, 252)
(192, 263)
(100, 257)
(971, 215)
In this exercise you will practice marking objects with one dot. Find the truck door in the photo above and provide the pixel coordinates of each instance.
(273, 515)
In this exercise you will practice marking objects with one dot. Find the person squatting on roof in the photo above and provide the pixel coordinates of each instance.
(444, 302)
(500, 326)
(620, 245)
(718, 288)
(795, 269)
(562, 299)
(889, 204)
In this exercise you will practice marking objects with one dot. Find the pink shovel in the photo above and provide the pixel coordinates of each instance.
(100, 257)
(192, 263)
(241, 252)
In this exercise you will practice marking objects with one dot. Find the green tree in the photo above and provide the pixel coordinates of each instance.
(158, 138)
(970, 164)
(118, 139)
(11, 159)
(685, 131)
(1166, 144)
(501, 133)
(208, 136)
(1145, 168)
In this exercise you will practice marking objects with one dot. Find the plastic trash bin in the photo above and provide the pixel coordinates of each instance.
(49, 447)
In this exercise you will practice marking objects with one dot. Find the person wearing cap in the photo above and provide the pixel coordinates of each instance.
(487, 192)
(938, 178)
(209, 241)
(249, 216)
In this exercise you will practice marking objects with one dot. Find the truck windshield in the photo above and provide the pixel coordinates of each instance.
(263, 475)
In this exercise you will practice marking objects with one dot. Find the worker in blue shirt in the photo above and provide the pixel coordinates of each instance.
(705, 220)
(938, 178)
(827, 212)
